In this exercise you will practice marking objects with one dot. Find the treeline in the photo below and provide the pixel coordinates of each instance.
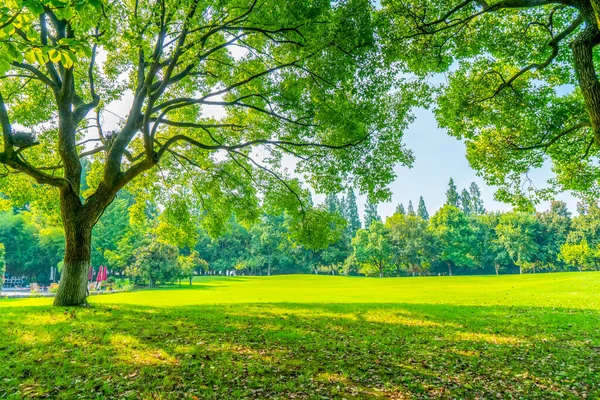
(460, 238)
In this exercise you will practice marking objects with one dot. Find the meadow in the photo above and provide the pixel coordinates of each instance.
(313, 337)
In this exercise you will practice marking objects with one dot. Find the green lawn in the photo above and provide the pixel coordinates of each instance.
(531, 336)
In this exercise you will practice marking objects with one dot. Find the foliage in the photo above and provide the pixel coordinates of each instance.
(453, 236)
(422, 209)
(578, 255)
(372, 249)
(371, 214)
(155, 262)
(452, 197)
(518, 233)
(369, 338)
(521, 79)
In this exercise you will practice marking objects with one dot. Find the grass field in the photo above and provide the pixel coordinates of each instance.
(314, 337)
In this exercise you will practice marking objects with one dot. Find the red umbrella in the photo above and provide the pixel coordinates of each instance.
(102, 272)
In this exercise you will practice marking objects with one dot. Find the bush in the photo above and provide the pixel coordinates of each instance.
(53, 288)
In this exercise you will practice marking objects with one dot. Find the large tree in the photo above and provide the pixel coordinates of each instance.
(522, 87)
(296, 78)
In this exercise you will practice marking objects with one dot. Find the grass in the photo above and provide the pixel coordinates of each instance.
(313, 337)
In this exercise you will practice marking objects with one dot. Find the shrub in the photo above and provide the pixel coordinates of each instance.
(53, 288)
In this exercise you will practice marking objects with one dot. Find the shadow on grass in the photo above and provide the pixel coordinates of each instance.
(299, 351)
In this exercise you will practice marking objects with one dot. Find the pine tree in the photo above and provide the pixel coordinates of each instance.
(452, 198)
(351, 214)
(465, 202)
(411, 209)
(332, 203)
(400, 209)
(476, 200)
(371, 214)
(422, 209)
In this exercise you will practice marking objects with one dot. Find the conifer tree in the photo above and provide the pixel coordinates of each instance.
(351, 214)
(400, 209)
(452, 198)
(411, 209)
(371, 214)
(422, 209)
(465, 202)
(332, 204)
(476, 200)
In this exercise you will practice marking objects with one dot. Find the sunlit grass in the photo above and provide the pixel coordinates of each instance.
(313, 337)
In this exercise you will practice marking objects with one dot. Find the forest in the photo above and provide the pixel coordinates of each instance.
(460, 238)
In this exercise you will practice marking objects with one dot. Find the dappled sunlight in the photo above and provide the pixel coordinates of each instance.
(487, 338)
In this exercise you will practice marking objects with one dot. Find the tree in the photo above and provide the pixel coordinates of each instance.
(352, 216)
(555, 225)
(155, 262)
(465, 202)
(450, 227)
(577, 255)
(411, 209)
(517, 233)
(371, 214)
(310, 83)
(400, 209)
(411, 242)
(372, 248)
(487, 249)
(422, 209)
(452, 198)
(523, 85)
(332, 204)
(476, 207)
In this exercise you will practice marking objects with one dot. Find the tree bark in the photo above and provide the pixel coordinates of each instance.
(449, 269)
(72, 290)
(583, 57)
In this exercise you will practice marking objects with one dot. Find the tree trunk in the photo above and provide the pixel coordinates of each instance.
(497, 269)
(583, 57)
(449, 269)
(72, 290)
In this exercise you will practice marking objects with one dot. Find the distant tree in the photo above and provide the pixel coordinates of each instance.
(578, 255)
(453, 234)
(411, 242)
(554, 229)
(452, 197)
(411, 209)
(372, 248)
(400, 209)
(422, 209)
(465, 202)
(332, 204)
(155, 262)
(476, 207)
(371, 214)
(517, 233)
(187, 265)
(351, 214)
(488, 251)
